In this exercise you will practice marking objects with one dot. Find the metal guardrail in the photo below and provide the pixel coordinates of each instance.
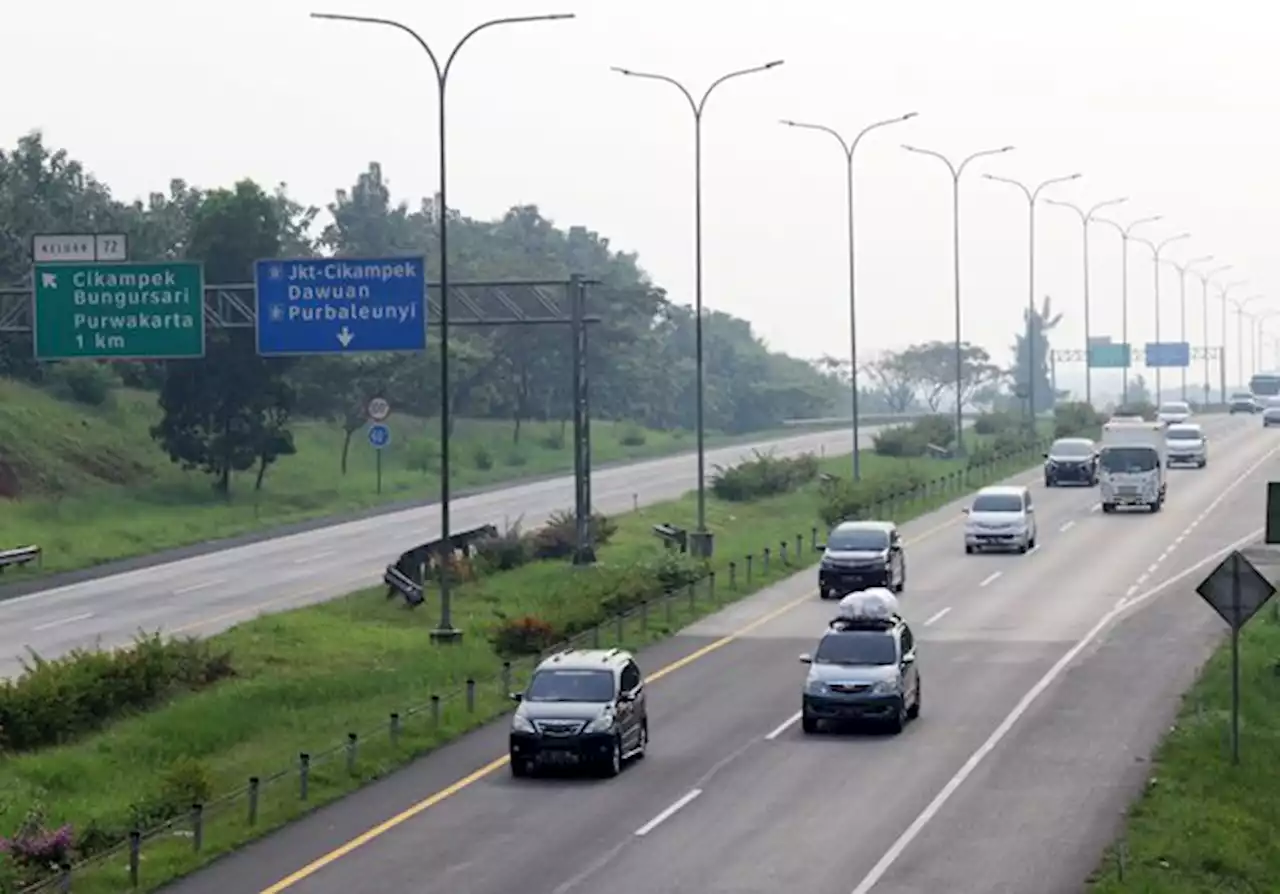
(19, 556)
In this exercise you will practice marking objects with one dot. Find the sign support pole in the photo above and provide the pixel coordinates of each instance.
(1237, 623)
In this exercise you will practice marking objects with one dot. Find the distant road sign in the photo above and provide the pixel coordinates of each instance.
(379, 436)
(49, 248)
(1236, 590)
(1110, 355)
(379, 409)
(340, 305)
(118, 311)
(1169, 353)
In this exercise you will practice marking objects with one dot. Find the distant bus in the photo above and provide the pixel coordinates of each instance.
(1265, 384)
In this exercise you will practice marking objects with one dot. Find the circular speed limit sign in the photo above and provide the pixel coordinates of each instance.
(378, 409)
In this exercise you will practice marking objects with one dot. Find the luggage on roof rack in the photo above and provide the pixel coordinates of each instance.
(873, 609)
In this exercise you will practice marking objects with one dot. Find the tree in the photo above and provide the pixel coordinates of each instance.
(229, 410)
(1036, 323)
(896, 378)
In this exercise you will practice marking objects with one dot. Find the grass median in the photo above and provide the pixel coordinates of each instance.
(1203, 824)
(325, 681)
(91, 486)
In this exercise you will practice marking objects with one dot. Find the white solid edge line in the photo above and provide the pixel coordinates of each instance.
(938, 617)
(191, 588)
(61, 621)
(991, 578)
(1067, 526)
(668, 813)
(783, 726)
(932, 809)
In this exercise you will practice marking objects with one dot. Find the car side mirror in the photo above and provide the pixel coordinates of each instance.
(626, 696)
(909, 658)
(1045, 455)
(964, 511)
(820, 546)
(516, 696)
(806, 658)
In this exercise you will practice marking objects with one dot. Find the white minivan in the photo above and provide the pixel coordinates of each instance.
(1000, 518)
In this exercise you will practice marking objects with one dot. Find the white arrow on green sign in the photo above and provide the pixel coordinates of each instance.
(119, 311)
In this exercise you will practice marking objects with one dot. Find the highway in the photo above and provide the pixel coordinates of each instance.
(204, 594)
(1046, 680)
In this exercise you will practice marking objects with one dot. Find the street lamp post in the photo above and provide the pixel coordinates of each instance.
(446, 631)
(1205, 278)
(1124, 290)
(1259, 330)
(702, 544)
(1031, 194)
(1183, 270)
(1086, 218)
(1156, 249)
(849, 147)
(1224, 295)
(956, 172)
(1240, 315)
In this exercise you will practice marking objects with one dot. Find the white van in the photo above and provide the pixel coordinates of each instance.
(1000, 518)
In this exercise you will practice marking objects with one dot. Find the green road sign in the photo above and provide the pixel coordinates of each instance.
(119, 311)
(1109, 356)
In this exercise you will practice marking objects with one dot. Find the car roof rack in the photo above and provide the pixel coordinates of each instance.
(845, 625)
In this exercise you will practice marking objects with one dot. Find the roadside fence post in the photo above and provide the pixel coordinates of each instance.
(304, 773)
(750, 562)
(669, 605)
(799, 545)
(471, 695)
(693, 596)
(255, 786)
(435, 710)
(506, 678)
(393, 728)
(353, 744)
(782, 552)
(765, 565)
(711, 586)
(64, 878)
(197, 827)
(135, 855)
(733, 575)
(644, 615)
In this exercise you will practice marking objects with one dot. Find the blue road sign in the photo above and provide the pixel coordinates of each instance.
(1169, 353)
(1108, 355)
(340, 305)
(379, 436)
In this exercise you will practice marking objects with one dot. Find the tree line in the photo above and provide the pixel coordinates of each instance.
(231, 410)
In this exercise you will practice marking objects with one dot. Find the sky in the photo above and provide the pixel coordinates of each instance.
(1170, 104)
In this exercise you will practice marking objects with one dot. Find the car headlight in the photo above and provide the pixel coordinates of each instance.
(521, 724)
(815, 687)
(601, 724)
(885, 687)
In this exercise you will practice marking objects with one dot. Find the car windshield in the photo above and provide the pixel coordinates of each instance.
(1071, 448)
(1242, 397)
(565, 685)
(861, 647)
(1174, 408)
(997, 503)
(1130, 459)
(868, 539)
(1178, 433)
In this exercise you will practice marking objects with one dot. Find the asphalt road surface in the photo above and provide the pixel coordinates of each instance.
(1046, 679)
(204, 594)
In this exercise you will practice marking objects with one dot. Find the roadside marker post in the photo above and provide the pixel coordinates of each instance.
(1236, 590)
(379, 440)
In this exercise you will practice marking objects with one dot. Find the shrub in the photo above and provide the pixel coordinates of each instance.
(844, 500)
(83, 381)
(56, 701)
(763, 476)
(558, 538)
(914, 439)
(482, 457)
(632, 436)
(1014, 441)
(993, 423)
(510, 549)
(1076, 418)
(937, 430)
(1138, 408)
(35, 849)
(421, 455)
(524, 636)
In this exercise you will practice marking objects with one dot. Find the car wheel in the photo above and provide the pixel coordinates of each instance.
(642, 741)
(521, 767)
(969, 549)
(808, 724)
(1048, 482)
(899, 721)
(914, 711)
(1108, 507)
(1024, 546)
(612, 765)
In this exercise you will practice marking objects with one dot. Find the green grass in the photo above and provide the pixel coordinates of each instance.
(1203, 824)
(307, 678)
(95, 487)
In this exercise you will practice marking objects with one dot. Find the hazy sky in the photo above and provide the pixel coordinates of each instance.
(1169, 103)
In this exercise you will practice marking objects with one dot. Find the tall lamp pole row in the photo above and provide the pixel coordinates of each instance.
(446, 631)
(702, 538)
(1240, 305)
(1031, 194)
(1183, 270)
(849, 147)
(1125, 237)
(1086, 218)
(1157, 248)
(956, 171)
(1206, 278)
(1224, 295)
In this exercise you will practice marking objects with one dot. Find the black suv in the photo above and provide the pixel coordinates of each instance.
(862, 554)
(1071, 459)
(584, 708)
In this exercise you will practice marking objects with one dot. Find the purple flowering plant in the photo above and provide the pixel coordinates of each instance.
(36, 846)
